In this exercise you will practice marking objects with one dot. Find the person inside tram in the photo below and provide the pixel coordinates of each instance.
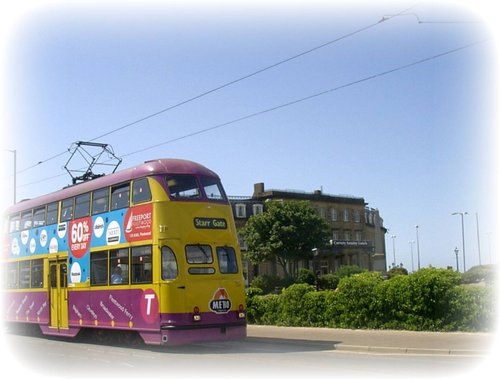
(116, 277)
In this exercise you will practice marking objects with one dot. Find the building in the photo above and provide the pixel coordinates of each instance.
(357, 231)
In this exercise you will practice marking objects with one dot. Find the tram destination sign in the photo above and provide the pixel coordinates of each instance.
(209, 223)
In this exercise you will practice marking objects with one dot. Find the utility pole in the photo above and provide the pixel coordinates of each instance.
(478, 243)
(15, 173)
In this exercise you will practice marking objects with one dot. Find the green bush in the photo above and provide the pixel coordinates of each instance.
(356, 299)
(267, 283)
(328, 282)
(349, 270)
(430, 299)
(478, 274)
(431, 291)
(306, 276)
(293, 309)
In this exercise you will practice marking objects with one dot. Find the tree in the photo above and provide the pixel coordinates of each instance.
(286, 232)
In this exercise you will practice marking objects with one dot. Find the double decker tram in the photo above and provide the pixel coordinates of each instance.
(152, 249)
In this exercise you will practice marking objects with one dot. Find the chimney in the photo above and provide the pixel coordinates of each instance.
(258, 189)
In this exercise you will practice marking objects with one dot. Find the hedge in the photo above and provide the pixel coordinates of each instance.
(429, 299)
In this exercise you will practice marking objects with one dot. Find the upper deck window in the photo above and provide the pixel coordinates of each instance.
(213, 188)
(141, 191)
(120, 196)
(67, 210)
(52, 212)
(183, 186)
(15, 222)
(82, 205)
(39, 217)
(100, 201)
(26, 219)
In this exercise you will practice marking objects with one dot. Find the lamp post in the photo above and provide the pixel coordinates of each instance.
(462, 214)
(394, 249)
(418, 250)
(456, 255)
(411, 251)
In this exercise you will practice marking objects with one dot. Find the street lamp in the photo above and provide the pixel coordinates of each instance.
(456, 255)
(418, 250)
(394, 249)
(463, 234)
(411, 251)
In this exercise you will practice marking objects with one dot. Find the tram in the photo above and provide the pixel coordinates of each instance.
(151, 249)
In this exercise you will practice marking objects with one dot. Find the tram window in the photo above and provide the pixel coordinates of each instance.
(227, 260)
(82, 205)
(201, 270)
(99, 268)
(100, 201)
(39, 217)
(168, 264)
(52, 211)
(24, 274)
(213, 189)
(53, 276)
(118, 265)
(26, 219)
(141, 191)
(12, 275)
(141, 264)
(67, 210)
(183, 187)
(15, 223)
(199, 254)
(120, 196)
(37, 273)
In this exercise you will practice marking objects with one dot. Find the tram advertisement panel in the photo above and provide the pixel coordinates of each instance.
(80, 235)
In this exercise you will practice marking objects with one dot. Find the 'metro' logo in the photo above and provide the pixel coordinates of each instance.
(220, 302)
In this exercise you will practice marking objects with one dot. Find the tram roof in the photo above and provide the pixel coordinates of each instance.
(148, 168)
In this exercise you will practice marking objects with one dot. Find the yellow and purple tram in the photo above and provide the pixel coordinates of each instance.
(152, 249)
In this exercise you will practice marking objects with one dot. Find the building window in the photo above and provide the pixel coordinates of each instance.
(241, 210)
(346, 215)
(322, 212)
(358, 236)
(257, 209)
(357, 216)
(335, 235)
(334, 214)
(347, 236)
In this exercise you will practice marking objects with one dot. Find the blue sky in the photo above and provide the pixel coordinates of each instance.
(418, 144)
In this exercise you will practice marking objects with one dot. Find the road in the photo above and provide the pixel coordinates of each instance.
(254, 357)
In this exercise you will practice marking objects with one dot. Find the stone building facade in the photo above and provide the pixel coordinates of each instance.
(357, 231)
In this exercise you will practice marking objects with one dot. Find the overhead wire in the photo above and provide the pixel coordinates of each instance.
(352, 83)
(225, 85)
(297, 101)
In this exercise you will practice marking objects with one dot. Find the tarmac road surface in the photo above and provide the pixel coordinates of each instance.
(267, 352)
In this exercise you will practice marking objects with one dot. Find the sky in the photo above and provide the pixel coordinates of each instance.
(408, 123)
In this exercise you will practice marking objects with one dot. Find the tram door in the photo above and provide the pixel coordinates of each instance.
(58, 294)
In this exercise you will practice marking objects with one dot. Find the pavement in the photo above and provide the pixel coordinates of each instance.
(384, 341)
